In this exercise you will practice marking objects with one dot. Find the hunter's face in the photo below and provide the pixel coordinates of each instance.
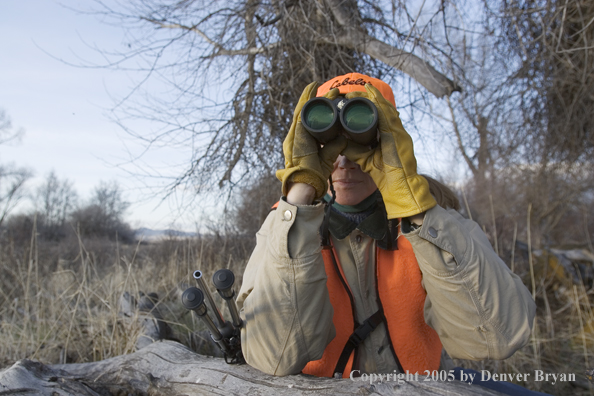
(351, 184)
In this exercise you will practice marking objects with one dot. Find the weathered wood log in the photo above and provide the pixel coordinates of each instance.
(169, 368)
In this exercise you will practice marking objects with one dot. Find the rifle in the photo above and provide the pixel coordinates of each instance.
(225, 334)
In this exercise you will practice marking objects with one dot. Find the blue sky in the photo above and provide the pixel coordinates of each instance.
(63, 109)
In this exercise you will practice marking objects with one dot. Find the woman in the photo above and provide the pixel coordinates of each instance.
(393, 280)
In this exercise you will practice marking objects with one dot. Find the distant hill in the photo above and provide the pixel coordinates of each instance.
(147, 234)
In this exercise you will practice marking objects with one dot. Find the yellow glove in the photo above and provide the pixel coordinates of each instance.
(305, 161)
(392, 164)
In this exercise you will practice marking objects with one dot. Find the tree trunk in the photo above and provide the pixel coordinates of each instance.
(169, 368)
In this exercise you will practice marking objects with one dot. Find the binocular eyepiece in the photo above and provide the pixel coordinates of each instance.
(323, 119)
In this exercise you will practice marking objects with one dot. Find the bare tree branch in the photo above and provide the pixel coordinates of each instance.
(435, 82)
(12, 181)
(354, 37)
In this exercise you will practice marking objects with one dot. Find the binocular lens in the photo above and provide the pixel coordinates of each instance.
(319, 115)
(358, 117)
(325, 119)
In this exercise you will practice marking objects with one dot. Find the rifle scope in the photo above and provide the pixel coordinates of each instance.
(193, 299)
(223, 280)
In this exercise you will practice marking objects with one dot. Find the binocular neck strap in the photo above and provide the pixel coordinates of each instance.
(326, 222)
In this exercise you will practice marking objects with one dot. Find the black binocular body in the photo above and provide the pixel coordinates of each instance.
(325, 119)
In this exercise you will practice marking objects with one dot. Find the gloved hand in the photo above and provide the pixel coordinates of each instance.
(392, 164)
(305, 161)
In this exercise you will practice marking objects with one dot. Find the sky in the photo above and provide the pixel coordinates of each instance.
(63, 109)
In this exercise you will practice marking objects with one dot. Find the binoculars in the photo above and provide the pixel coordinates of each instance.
(325, 119)
(225, 334)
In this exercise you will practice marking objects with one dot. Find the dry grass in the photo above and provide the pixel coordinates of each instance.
(64, 307)
(68, 310)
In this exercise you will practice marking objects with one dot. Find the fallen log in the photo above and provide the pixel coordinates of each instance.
(169, 368)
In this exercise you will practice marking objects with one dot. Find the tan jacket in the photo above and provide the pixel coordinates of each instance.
(478, 307)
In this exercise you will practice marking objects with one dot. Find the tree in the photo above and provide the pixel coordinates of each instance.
(12, 183)
(550, 45)
(522, 122)
(56, 199)
(7, 131)
(523, 67)
(254, 204)
(12, 178)
(553, 40)
(234, 71)
(103, 216)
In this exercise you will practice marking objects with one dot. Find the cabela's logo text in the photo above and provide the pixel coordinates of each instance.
(348, 81)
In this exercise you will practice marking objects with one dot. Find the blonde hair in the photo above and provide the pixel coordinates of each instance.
(444, 196)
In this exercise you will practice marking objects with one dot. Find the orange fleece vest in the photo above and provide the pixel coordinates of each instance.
(402, 296)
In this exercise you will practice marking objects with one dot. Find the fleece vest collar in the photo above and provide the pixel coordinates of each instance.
(376, 225)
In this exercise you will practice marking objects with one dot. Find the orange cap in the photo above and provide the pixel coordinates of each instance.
(356, 82)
